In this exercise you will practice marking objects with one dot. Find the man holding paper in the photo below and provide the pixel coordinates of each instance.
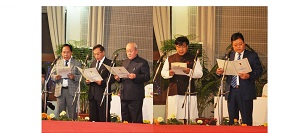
(240, 89)
(96, 88)
(133, 91)
(66, 77)
(178, 68)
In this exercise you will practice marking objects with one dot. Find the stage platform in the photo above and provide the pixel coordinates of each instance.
(49, 126)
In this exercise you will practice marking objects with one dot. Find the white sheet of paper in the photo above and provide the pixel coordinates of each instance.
(120, 71)
(235, 67)
(178, 68)
(91, 74)
(63, 71)
(242, 66)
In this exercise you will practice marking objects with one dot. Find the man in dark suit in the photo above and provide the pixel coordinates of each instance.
(241, 87)
(133, 92)
(96, 89)
(65, 87)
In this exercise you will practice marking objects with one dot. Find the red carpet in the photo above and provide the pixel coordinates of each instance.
(103, 127)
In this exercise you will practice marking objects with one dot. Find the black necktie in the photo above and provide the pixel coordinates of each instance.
(234, 78)
(66, 63)
(98, 65)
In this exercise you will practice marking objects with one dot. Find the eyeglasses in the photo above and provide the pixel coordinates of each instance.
(181, 46)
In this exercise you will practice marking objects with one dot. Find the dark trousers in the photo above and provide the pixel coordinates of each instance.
(97, 112)
(236, 104)
(131, 111)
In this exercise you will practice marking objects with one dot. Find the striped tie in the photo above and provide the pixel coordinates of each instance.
(234, 78)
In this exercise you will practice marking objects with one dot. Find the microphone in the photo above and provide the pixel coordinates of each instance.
(115, 57)
(54, 62)
(227, 56)
(160, 59)
(197, 53)
(86, 58)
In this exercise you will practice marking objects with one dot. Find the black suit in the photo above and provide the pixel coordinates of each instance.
(95, 94)
(241, 98)
(133, 92)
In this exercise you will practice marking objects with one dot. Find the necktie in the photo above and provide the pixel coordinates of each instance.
(66, 63)
(98, 65)
(234, 78)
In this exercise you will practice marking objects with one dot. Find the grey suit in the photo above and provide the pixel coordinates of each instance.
(65, 96)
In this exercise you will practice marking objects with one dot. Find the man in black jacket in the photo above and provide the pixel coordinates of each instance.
(96, 89)
(133, 92)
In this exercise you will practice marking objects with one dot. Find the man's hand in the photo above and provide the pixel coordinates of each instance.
(187, 71)
(220, 71)
(57, 77)
(117, 77)
(71, 76)
(244, 75)
(171, 72)
(131, 76)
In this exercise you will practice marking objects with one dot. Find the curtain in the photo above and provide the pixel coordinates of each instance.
(161, 24)
(205, 26)
(56, 18)
(95, 26)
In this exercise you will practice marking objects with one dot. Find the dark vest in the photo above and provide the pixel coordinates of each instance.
(178, 84)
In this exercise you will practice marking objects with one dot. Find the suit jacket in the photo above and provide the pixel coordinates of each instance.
(247, 86)
(72, 84)
(96, 91)
(133, 89)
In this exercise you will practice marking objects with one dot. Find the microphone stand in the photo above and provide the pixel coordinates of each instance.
(105, 93)
(156, 72)
(45, 91)
(188, 91)
(221, 93)
(77, 94)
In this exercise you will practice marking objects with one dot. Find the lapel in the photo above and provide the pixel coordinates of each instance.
(126, 63)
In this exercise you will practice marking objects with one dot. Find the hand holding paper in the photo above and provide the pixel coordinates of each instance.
(63, 71)
(234, 67)
(179, 68)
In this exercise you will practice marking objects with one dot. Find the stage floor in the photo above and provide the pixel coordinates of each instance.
(49, 126)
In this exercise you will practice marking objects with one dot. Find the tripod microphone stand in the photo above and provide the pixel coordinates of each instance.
(77, 93)
(106, 93)
(188, 91)
(45, 91)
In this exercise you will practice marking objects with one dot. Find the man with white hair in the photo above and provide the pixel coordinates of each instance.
(133, 93)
